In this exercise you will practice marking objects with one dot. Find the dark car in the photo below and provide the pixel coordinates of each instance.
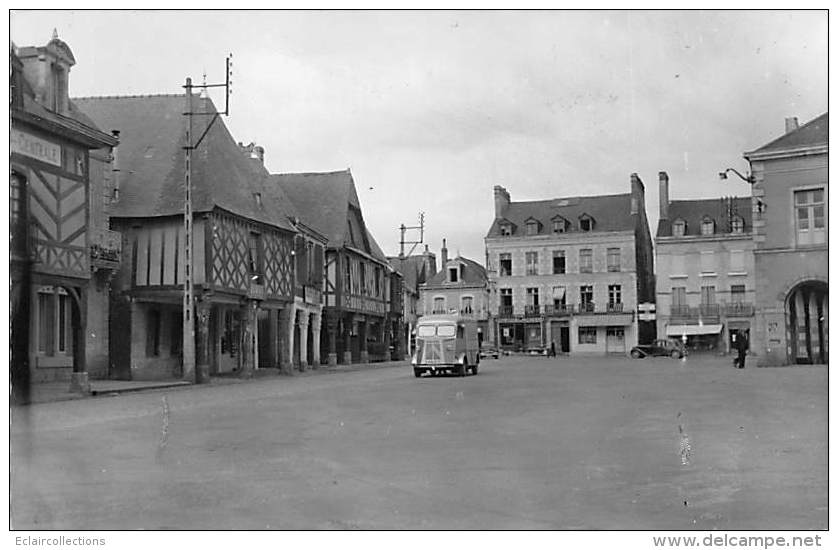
(488, 351)
(664, 347)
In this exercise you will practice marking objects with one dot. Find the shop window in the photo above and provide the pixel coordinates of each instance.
(54, 321)
(176, 333)
(587, 335)
(152, 333)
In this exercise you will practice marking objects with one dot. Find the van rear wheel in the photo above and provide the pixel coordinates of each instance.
(417, 373)
(474, 369)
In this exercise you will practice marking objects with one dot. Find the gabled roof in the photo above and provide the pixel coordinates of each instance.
(152, 161)
(813, 133)
(693, 212)
(612, 212)
(474, 274)
(325, 201)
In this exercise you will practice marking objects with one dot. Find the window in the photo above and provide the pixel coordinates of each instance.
(532, 263)
(737, 294)
(737, 261)
(532, 296)
(737, 225)
(17, 217)
(506, 265)
(708, 226)
(586, 260)
(708, 295)
(586, 223)
(176, 331)
(679, 296)
(377, 281)
(467, 305)
(255, 257)
(452, 274)
(679, 228)
(586, 298)
(708, 261)
(613, 259)
(559, 296)
(810, 217)
(363, 272)
(152, 333)
(615, 294)
(506, 297)
(558, 262)
(559, 225)
(532, 228)
(506, 230)
(347, 276)
(439, 305)
(587, 335)
(54, 323)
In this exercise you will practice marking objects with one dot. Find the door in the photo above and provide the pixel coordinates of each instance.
(565, 336)
(560, 337)
(615, 340)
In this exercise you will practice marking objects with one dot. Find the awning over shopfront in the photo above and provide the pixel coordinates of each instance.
(692, 330)
(608, 320)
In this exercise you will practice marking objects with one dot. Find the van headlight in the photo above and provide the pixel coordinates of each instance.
(461, 359)
(413, 360)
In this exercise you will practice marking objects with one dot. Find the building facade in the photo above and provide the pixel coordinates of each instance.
(62, 254)
(359, 311)
(570, 272)
(461, 286)
(415, 271)
(791, 236)
(705, 273)
(244, 245)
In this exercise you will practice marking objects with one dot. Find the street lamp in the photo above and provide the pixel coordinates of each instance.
(749, 178)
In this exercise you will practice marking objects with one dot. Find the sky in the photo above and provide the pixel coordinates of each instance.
(432, 109)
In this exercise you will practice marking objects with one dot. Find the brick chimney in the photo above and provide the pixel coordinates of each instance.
(638, 194)
(443, 254)
(501, 201)
(791, 124)
(663, 195)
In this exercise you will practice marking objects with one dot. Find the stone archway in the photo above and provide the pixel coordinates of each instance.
(807, 322)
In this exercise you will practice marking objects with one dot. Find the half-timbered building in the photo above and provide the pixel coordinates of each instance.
(61, 253)
(360, 313)
(244, 245)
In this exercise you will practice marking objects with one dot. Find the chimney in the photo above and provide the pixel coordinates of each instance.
(791, 124)
(115, 166)
(259, 153)
(501, 201)
(443, 254)
(638, 195)
(664, 195)
(47, 69)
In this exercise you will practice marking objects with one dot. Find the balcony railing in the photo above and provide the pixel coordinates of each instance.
(704, 311)
(739, 309)
(505, 311)
(709, 310)
(587, 307)
(532, 310)
(467, 312)
(105, 248)
(437, 311)
(558, 309)
(614, 307)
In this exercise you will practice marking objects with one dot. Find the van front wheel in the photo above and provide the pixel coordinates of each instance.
(474, 369)
(461, 370)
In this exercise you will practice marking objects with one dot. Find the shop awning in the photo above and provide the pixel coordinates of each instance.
(692, 330)
(607, 320)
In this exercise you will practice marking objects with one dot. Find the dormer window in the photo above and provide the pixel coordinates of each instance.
(453, 274)
(506, 229)
(737, 225)
(708, 226)
(532, 228)
(560, 225)
(679, 228)
(586, 223)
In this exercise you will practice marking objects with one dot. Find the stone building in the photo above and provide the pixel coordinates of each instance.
(705, 278)
(62, 254)
(244, 245)
(415, 271)
(791, 235)
(571, 272)
(460, 286)
(360, 310)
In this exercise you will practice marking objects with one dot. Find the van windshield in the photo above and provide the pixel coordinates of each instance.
(446, 331)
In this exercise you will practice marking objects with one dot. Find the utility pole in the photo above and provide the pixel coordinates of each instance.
(404, 229)
(189, 371)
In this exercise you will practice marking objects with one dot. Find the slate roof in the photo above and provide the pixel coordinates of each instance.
(814, 132)
(474, 274)
(414, 270)
(610, 213)
(694, 211)
(323, 200)
(152, 161)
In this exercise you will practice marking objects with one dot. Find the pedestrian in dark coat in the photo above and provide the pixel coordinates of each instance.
(742, 349)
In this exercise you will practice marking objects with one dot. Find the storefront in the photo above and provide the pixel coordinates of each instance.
(698, 338)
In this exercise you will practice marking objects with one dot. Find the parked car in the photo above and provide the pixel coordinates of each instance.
(663, 347)
(488, 351)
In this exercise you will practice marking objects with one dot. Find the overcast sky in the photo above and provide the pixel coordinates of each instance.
(430, 110)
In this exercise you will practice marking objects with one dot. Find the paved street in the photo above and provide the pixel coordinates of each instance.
(529, 443)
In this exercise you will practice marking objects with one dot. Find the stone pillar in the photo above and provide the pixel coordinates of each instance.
(285, 320)
(332, 327)
(362, 337)
(271, 350)
(316, 321)
(347, 339)
(302, 319)
(202, 359)
(248, 325)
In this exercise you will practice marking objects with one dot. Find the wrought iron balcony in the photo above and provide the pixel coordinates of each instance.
(681, 311)
(614, 307)
(532, 310)
(505, 311)
(739, 309)
(558, 309)
(709, 310)
(587, 307)
(105, 248)
(467, 312)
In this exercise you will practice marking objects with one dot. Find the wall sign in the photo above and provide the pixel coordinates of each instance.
(35, 147)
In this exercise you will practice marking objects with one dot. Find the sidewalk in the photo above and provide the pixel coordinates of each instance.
(48, 392)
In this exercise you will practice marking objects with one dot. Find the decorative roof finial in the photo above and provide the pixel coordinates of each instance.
(54, 33)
